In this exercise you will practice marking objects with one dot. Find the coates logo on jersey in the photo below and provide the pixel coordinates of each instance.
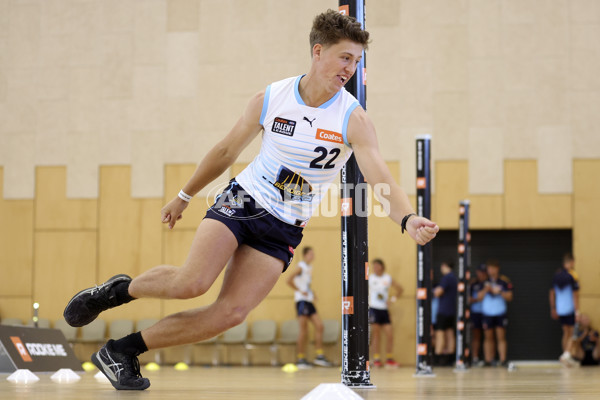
(329, 136)
(284, 126)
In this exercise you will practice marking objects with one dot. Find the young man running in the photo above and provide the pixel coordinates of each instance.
(257, 222)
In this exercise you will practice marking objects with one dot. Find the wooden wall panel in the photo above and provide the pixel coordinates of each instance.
(451, 186)
(176, 176)
(586, 219)
(65, 263)
(16, 245)
(590, 305)
(20, 307)
(487, 211)
(398, 251)
(52, 208)
(524, 208)
(130, 230)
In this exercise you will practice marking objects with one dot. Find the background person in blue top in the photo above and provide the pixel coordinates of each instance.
(564, 299)
(445, 342)
(252, 230)
(477, 312)
(496, 292)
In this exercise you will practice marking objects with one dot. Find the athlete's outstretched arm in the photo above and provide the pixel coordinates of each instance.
(361, 136)
(219, 158)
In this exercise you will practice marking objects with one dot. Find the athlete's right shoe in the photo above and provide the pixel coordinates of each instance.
(303, 364)
(86, 305)
(122, 370)
(377, 363)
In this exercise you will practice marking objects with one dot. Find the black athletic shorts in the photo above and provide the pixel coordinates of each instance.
(305, 308)
(253, 225)
(568, 320)
(476, 320)
(445, 322)
(380, 317)
(497, 321)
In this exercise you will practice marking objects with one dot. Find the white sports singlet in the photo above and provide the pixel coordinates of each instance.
(303, 149)
(379, 290)
(302, 282)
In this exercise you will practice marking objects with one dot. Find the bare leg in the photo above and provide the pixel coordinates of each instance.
(318, 324)
(302, 334)
(213, 245)
(450, 341)
(249, 278)
(439, 342)
(566, 337)
(489, 347)
(375, 335)
(389, 338)
(501, 338)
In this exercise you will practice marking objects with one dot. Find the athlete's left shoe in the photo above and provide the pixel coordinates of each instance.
(391, 363)
(322, 361)
(122, 370)
(86, 305)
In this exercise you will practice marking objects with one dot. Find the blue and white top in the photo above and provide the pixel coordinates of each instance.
(379, 291)
(564, 286)
(303, 149)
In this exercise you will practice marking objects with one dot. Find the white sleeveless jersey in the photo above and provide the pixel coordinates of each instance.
(303, 149)
(302, 282)
(379, 290)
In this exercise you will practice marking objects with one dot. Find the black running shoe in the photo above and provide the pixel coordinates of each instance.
(122, 370)
(85, 306)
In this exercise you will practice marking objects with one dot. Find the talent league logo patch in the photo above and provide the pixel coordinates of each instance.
(283, 126)
(329, 136)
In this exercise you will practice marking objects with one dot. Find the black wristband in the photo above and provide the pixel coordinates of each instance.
(405, 220)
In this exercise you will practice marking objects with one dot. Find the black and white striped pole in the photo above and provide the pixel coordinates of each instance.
(355, 244)
(463, 336)
(424, 259)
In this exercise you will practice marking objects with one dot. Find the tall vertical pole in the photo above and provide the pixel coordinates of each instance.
(424, 259)
(463, 341)
(355, 285)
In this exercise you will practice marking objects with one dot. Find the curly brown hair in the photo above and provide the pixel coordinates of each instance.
(331, 26)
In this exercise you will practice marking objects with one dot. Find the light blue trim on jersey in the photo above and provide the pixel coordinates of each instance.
(301, 102)
(345, 124)
(263, 114)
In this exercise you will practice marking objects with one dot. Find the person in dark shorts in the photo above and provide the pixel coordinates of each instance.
(254, 226)
(300, 280)
(497, 291)
(584, 346)
(445, 340)
(477, 313)
(380, 284)
(564, 300)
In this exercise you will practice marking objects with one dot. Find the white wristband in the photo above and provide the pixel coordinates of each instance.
(184, 196)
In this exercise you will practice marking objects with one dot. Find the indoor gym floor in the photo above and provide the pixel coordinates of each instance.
(254, 383)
